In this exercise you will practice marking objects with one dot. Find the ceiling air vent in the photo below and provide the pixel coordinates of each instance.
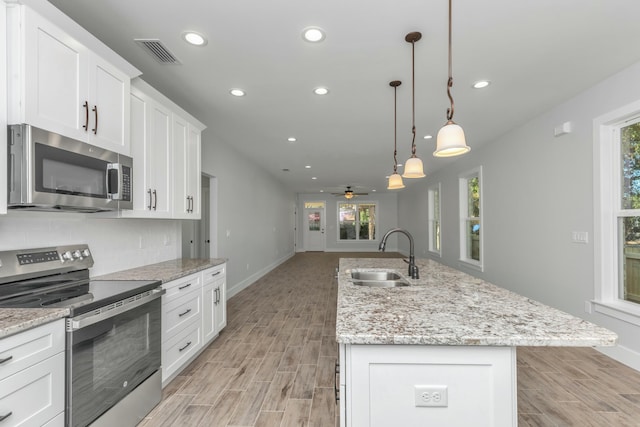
(160, 53)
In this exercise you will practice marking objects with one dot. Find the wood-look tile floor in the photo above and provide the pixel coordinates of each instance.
(273, 365)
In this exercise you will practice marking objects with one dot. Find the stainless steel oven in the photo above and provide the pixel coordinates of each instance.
(51, 172)
(111, 351)
(113, 332)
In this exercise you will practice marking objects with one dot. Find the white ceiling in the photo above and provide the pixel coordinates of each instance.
(536, 54)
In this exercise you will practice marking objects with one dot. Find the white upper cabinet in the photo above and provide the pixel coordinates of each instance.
(151, 151)
(59, 84)
(166, 157)
(187, 147)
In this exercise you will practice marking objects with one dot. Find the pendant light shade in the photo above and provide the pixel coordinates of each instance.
(395, 180)
(413, 167)
(451, 141)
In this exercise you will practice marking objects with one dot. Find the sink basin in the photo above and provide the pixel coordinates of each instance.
(380, 283)
(375, 275)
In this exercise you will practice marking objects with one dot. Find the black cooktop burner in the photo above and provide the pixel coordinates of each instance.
(78, 297)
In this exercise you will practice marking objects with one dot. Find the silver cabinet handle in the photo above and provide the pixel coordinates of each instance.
(86, 116)
(155, 199)
(6, 359)
(216, 273)
(150, 199)
(183, 348)
(4, 417)
(185, 313)
(184, 287)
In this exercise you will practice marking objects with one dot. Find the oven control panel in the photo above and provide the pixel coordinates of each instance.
(18, 264)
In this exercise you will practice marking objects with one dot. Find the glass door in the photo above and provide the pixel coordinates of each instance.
(314, 236)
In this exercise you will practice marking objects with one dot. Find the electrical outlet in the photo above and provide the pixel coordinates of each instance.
(431, 396)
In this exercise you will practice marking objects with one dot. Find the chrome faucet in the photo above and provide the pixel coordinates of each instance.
(413, 268)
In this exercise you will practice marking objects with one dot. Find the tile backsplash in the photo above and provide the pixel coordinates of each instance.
(117, 244)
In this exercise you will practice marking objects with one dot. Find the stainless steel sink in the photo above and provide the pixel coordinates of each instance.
(380, 283)
(375, 275)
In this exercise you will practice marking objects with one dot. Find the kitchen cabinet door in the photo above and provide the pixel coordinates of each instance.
(151, 150)
(182, 201)
(54, 76)
(214, 302)
(109, 106)
(193, 169)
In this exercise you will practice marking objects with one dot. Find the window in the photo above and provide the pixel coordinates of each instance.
(470, 218)
(434, 220)
(617, 213)
(357, 221)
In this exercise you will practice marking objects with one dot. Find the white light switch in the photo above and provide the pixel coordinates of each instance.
(562, 129)
(580, 237)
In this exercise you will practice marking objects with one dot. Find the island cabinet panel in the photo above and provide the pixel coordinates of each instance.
(384, 385)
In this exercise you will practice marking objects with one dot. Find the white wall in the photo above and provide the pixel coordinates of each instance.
(256, 211)
(537, 190)
(387, 217)
(115, 243)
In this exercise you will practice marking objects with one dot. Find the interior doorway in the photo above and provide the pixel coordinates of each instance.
(314, 227)
(197, 235)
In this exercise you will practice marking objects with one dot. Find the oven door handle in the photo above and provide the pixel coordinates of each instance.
(91, 318)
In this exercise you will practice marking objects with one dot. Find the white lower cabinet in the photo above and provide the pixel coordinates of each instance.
(193, 314)
(215, 308)
(32, 372)
(413, 385)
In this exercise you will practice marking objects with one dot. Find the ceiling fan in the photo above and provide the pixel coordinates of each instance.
(349, 194)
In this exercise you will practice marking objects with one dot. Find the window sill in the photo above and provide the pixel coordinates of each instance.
(621, 310)
(471, 264)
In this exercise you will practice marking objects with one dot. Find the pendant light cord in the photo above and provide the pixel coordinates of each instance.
(395, 129)
(413, 97)
(450, 81)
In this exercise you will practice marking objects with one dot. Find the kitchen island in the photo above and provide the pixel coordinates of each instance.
(441, 351)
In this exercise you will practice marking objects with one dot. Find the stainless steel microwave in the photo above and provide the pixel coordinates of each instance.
(51, 172)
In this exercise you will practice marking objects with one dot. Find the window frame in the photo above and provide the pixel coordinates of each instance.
(435, 241)
(357, 221)
(607, 211)
(463, 181)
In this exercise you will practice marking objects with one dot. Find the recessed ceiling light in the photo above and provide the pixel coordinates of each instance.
(400, 164)
(322, 191)
(428, 136)
(307, 167)
(321, 91)
(291, 139)
(313, 34)
(481, 83)
(314, 177)
(237, 92)
(374, 190)
(194, 38)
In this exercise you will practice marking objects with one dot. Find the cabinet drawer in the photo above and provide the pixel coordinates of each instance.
(180, 348)
(180, 312)
(35, 395)
(217, 273)
(30, 347)
(180, 287)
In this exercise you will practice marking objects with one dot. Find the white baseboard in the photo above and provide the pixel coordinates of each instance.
(622, 354)
(231, 291)
(356, 250)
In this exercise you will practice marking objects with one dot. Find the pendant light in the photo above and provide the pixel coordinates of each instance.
(395, 180)
(413, 167)
(450, 141)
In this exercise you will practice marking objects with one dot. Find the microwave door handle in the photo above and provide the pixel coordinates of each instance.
(114, 194)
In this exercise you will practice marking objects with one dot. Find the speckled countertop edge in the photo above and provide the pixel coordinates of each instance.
(449, 307)
(164, 271)
(14, 320)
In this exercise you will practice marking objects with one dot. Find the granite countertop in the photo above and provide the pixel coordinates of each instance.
(164, 271)
(448, 307)
(14, 320)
